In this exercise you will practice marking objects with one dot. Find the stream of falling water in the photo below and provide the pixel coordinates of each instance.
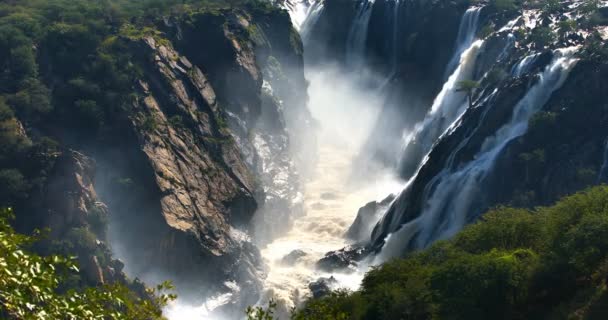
(334, 192)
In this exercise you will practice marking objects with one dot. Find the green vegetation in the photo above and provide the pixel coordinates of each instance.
(30, 287)
(468, 87)
(261, 313)
(550, 262)
(503, 5)
(68, 64)
(542, 37)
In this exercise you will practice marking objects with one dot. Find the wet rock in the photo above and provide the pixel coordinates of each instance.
(322, 286)
(93, 270)
(70, 192)
(201, 125)
(344, 260)
(293, 257)
(367, 216)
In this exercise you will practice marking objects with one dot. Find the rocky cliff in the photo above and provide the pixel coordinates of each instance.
(514, 138)
(212, 100)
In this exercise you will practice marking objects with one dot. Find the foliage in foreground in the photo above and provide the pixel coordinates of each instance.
(30, 287)
(551, 262)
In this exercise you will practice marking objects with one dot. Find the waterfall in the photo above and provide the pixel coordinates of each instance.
(357, 36)
(523, 66)
(466, 35)
(298, 11)
(451, 199)
(395, 33)
(510, 25)
(314, 12)
(447, 107)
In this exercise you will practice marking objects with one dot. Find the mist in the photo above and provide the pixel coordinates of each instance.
(345, 108)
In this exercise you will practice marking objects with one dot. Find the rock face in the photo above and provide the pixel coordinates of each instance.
(293, 257)
(322, 287)
(533, 168)
(411, 44)
(204, 147)
(367, 217)
(342, 260)
(70, 207)
(195, 166)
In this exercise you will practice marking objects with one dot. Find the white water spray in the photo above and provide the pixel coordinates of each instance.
(313, 14)
(332, 195)
(448, 106)
(466, 35)
(524, 65)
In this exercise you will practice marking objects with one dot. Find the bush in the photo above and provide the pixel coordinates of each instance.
(30, 285)
(503, 5)
(542, 37)
(13, 186)
(512, 264)
(98, 220)
(83, 239)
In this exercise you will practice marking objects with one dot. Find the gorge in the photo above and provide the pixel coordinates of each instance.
(284, 151)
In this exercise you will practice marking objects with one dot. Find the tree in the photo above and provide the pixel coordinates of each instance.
(504, 5)
(261, 313)
(541, 37)
(13, 186)
(468, 86)
(566, 27)
(29, 287)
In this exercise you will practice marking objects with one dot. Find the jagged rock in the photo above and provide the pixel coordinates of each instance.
(204, 188)
(93, 270)
(322, 286)
(342, 260)
(69, 192)
(69, 200)
(367, 216)
(293, 257)
(202, 150)
(533, 168)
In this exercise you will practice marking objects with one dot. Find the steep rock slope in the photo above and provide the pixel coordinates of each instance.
(207, 130)
(194, 142)
(504, 123)
(500, 150)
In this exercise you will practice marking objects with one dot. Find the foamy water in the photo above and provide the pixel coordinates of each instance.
(334, 193)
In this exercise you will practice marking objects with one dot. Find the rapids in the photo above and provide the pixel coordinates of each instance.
(334, 192)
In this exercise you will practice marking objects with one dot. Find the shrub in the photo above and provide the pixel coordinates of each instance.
(542, 37)
(512, 264)
(98, 220)
(503, 5)
(13, 186)
(30, 285)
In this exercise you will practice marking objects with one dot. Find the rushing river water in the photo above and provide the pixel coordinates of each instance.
(334, 192)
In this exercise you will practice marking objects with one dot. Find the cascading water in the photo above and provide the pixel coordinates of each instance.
(466, 35)
(392, 42)
(450, 199)
(313, 14)
(355, 42)
(395, 35)
(523, 66)
(298, 10)
(448, 106)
